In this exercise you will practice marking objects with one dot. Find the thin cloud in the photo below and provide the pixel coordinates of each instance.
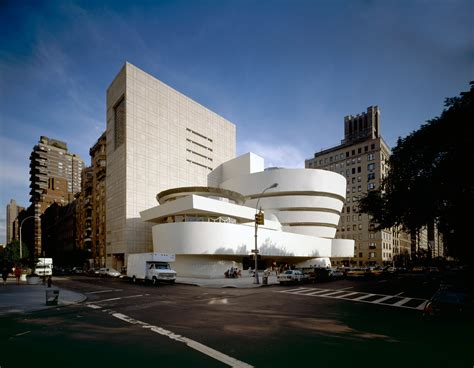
(275, 155)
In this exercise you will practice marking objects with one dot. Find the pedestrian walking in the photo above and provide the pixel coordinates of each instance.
(5, 272)
(17, 274)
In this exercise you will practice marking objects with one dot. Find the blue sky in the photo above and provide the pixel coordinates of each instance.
(285, 72)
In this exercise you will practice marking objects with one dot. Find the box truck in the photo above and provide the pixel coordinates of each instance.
(44, 267)
(153, 267)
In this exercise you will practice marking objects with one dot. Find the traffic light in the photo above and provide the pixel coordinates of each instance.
(259, 218)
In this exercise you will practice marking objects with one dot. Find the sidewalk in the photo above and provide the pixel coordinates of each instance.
(25, 298)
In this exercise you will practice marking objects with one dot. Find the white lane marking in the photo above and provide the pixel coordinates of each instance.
(382, 299)
(382, 281)
(399, 294)
(401, 302)
(347, 288)
(422, 305)
(22, 333)
(232, 362)
(103, 291)
(119, 298)
(93, 306)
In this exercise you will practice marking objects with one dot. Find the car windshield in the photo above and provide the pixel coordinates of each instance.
(449, 297)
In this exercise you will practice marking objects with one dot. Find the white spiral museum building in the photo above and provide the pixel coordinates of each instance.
(212, 228)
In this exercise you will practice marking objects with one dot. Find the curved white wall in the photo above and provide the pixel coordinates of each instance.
(203, 238)
(311, 199)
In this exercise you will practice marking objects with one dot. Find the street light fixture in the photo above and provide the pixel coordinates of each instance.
(21, 224)
(256, 229)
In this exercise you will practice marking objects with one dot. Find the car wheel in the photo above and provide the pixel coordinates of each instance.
(154, 281)
(134, 279)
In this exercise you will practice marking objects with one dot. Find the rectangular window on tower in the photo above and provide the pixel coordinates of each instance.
(119, 123)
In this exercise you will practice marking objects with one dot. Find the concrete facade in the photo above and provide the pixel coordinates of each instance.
(156, 139)
(212, 228)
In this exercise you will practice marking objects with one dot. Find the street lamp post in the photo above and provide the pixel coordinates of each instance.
(21, 224)
(256, 229)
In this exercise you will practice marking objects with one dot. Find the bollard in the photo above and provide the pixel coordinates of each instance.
(265, 280)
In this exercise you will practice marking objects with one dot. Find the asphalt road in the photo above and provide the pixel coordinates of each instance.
(277, 326)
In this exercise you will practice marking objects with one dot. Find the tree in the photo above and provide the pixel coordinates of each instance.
(11, 254)
(428, 179)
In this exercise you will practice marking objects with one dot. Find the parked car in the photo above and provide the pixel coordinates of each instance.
(448, 302)
(112, 272)
(390, 270)
(292, 276)
(93, 271)
(356, 273)
(334, 273)
(418, 269)
(77, 270)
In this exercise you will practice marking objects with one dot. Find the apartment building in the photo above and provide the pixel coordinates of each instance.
(84, 212)
(12, 225)
(156, 139)
(362, 158)
(55, 176)
(98, 154)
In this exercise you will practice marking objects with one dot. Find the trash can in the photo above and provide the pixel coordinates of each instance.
(265, 280)
(52, 297)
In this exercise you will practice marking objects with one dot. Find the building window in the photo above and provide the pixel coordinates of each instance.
(353, 170)
(371, 176)
(371, 167)
(360, 254)
(119, 123)
(370, 157)
(372, 146)
(359, 150)
(366, 148)
(359, 169)
(371, 186)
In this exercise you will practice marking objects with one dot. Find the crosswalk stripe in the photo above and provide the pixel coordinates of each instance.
(382, 299)
(401, 302)
(332, 293)
(363, 297)
(346, 295)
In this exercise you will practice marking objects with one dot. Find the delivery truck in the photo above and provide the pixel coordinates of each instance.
(151, 267)
(44, 267)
